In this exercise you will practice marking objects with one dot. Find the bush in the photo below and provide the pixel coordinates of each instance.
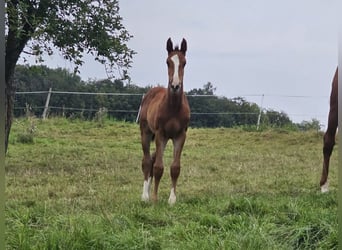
(25, 138)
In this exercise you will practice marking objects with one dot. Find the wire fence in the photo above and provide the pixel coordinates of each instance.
(83, 103)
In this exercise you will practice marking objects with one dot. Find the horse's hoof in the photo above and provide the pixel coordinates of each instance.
(325, 187)
(145, 198)
(172, 201)
(172, 198)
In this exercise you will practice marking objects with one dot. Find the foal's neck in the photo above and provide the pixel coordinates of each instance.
(175, 100)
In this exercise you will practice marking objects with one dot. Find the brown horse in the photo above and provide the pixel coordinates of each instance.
(164, 115)
(329, 136)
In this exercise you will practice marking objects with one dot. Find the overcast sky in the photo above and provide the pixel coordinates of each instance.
(244, 48)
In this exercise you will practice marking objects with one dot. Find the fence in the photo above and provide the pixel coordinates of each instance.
(129, 106)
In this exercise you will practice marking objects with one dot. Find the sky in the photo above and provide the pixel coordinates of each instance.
(284, 50)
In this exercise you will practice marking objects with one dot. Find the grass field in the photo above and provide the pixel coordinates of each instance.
(78, 186)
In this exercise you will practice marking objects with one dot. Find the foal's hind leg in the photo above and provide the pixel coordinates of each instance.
(329, 142)
(178, 144)
(329, 136)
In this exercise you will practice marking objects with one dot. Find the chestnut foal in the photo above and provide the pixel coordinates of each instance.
(164, 115)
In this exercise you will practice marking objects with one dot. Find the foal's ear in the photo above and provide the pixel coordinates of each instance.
(169, 46)
(183, 46)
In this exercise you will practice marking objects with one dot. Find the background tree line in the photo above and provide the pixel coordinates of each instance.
(208, 110)
(38, 28)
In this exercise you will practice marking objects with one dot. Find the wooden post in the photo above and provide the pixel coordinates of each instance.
(47, 104)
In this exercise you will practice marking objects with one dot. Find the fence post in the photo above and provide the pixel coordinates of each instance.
(262, 100)
(47, 104)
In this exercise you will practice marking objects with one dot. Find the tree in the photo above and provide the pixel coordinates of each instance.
(208, 89)
(277, 119)
(314, 124)
(74, 27)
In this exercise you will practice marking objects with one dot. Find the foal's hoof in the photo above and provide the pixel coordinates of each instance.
(172, 199)
(145, 198)
(325, 187)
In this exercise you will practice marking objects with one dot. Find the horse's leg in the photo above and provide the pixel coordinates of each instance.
(158, 167)
(178, 144)
(329, 136)
(146, 165)
(328, 144)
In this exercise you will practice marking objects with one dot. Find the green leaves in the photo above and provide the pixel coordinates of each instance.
(74, 28)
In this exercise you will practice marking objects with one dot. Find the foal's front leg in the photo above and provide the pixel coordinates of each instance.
(146, 165)
(158, 166)
(178, 144)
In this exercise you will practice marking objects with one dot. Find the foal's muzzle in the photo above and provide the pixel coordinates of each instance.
(175, 86)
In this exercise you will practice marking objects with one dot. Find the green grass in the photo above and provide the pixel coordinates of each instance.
(78, 186)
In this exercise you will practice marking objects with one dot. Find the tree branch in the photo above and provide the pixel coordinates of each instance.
(28, 53)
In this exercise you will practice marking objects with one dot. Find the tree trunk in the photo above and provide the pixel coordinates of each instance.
(12, 55)
(9, 104)
(15, 44)
(14, 47)
(9, 100)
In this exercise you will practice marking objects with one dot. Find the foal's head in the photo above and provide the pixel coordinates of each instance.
(175, 64)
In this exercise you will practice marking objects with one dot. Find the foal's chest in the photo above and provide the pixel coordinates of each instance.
(173, 125)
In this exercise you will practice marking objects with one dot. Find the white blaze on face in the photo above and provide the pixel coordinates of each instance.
(175, 79)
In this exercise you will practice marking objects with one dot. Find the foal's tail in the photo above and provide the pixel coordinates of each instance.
(138, 115)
